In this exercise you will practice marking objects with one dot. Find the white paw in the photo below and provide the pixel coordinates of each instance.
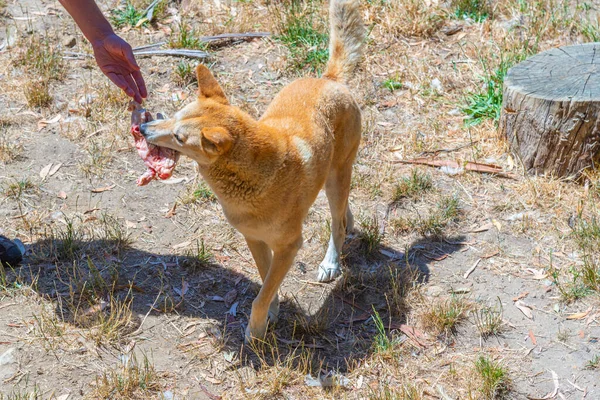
(328, 271)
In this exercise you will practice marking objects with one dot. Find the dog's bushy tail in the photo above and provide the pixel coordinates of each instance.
(346, 39)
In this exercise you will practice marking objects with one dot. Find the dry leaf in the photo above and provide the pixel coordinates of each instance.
(184, 289)
(552, 394)
(45, 171)
(45, 122)
(103, 189)
(497, 224)
(532, 337)
(230, 297)
(483, 228)
(55, 169)
(521, 296)
(181, 245)
(524, 308)
(130, 224)
(579, 315)
(62, 195)
(171, 212)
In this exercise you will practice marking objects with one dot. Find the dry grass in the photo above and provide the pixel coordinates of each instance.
(131, 380)
(99, 290)
(443, 316)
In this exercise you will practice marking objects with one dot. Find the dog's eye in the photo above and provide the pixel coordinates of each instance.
(178, 137)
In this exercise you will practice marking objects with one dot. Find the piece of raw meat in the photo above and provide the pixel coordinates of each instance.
(160, 161)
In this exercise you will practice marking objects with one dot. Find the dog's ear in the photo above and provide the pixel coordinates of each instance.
(216, 140)
(208, 87)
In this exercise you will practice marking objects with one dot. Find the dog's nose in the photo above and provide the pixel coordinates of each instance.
(143, 129)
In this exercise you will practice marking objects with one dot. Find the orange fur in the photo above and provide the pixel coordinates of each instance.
(267, 173)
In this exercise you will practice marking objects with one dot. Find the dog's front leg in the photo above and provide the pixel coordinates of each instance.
(283, 256)
(263, 256)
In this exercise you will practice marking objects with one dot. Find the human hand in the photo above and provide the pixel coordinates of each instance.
(115, 58)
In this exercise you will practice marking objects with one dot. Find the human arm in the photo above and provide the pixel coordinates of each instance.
(113, 55)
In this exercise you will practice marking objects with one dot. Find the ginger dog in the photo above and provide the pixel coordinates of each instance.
(267, 173)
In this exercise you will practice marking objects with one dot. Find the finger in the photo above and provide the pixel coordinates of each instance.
(128, 53)
(139, 80)
(121, 83)
(136, 93)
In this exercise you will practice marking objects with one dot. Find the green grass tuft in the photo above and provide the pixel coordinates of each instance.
(128, 16)
(495, 381)
(412, 186)
(477, 10)
(392, 84)
(298, 31)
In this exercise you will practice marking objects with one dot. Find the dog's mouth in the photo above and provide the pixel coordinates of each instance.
(161, 161)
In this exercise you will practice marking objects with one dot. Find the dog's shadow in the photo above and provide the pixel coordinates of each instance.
(337, 323)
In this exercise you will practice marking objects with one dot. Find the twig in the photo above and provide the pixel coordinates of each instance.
(207, 39)
(470, 271)
(173, 52)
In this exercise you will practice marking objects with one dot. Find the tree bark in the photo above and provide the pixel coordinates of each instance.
(550, 110)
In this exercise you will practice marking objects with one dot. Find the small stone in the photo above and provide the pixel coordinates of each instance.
(69, 41)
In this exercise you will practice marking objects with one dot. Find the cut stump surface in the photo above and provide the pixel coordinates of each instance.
(550, 110)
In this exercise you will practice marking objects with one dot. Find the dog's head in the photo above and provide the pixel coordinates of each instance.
(196, 130)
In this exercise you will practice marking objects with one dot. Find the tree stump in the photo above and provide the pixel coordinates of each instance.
(551, 108)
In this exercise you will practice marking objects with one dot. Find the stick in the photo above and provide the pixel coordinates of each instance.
(173, 52)
(206, 39)
(466, 275)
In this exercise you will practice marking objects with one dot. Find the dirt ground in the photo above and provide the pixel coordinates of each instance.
(150, 287)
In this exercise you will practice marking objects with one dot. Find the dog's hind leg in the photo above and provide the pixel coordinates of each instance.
(263, 256)
(337, 188)
(283, 257)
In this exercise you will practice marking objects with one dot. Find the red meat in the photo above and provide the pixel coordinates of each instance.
(160, 161)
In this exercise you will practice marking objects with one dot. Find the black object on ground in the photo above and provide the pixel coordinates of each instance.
(11, 252)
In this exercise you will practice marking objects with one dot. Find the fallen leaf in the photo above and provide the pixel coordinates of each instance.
(171, 212)
(130, 224)
(103, 189)
(497, 224)
(579, 315)
(184, 289)
(216, 298)
(233, 309)
(482, 228)
(521, 296)
(532, 337)
(62, 195)
(45, 122)
(213, 380)
(230, 296)
(524, 308)
(181, 245)
(45, 171)
(55, 169)
(552, 394)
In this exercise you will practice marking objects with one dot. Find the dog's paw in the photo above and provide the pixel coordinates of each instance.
(328, 272)
(255, 333)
